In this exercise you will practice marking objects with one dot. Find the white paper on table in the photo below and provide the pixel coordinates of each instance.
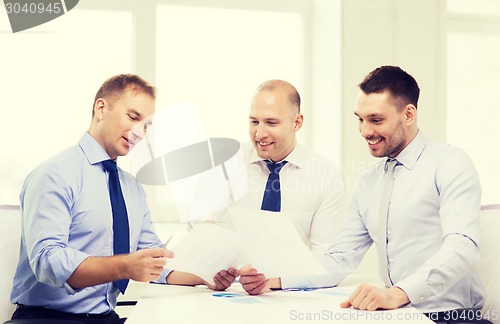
(273, 245)
(206, 250)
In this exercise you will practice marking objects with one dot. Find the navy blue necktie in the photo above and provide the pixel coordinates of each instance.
(121, 234)
(272, 194)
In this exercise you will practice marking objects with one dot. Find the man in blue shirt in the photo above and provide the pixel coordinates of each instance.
(67, 266)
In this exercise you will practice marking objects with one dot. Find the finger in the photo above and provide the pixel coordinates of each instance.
(373, 305)
(158, 262)
(254, 285)
(222, 281)
(373, 301)
(248, 270)
(250, 279)
(356, 297)
(367, 299)
(227, 276)
(156, 252)
(345, 304)
(257, 290)
(234, 272)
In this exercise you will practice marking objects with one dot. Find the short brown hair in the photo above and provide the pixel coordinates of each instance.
(116, 85)
(398, 82)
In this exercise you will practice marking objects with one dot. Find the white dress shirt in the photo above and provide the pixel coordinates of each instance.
(311, 191)
(433, 228)
(311, 194)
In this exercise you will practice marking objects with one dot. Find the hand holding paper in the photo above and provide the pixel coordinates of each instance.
(206, 250)
(273, 244)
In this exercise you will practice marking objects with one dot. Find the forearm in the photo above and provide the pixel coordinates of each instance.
(184, 279)
(95, 271)
(446, 267)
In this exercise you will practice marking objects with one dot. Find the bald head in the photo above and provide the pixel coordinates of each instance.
(284, 88)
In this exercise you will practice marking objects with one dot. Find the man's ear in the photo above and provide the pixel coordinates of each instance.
(410, 114)
(99, 110)
(299, 120)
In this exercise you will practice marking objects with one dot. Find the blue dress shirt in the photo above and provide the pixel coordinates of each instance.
(433, 228)
(66, 217)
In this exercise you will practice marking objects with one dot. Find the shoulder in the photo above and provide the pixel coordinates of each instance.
(63, 163)
(58, 173)
(452, 164)
(313, 162)
(447, 155)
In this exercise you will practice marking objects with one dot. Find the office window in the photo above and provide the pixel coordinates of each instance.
(473, 104)
(50, 75)
(216, 58)
(209, 62)
(480, 7)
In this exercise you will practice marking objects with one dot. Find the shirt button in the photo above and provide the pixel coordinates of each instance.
(389, 232)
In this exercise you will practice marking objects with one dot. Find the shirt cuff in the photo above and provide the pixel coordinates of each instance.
(416, 288)
(77, 258)
(163, 276)
(321, 281)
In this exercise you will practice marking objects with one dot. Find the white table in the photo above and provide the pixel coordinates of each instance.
(177, 304)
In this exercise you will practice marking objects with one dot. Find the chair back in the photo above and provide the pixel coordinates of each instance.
(489, 264)
(10, 237)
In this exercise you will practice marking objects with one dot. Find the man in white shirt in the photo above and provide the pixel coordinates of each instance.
(427, 239)
(311, 187)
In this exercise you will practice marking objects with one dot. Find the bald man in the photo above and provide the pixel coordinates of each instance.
(310, 186)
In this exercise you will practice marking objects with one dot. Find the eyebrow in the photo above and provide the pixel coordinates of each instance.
(266, 119)
(371, 115)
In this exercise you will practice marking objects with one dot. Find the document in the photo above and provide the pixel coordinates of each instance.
(206, 250)
(267, 240)
(272, 243)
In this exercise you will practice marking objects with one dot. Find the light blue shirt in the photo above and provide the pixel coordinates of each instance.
(66, 217)
(433, 228)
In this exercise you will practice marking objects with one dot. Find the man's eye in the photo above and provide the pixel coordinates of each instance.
(254, 122)
(132, 117)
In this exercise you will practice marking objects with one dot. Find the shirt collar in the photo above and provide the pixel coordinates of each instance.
(298, 156)
(410, 154)
(93, 151)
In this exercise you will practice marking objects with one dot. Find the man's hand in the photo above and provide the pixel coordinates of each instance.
(367, 297)
(253, 282)
(223, 279)
(147, 265)
(143, 265)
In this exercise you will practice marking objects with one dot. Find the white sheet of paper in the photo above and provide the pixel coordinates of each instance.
(273, 245)
(206, 250)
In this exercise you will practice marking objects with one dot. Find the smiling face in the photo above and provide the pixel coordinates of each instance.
(121, 124)
(274, 122)
(387, 126)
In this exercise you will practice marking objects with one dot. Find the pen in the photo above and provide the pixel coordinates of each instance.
(170, 238)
